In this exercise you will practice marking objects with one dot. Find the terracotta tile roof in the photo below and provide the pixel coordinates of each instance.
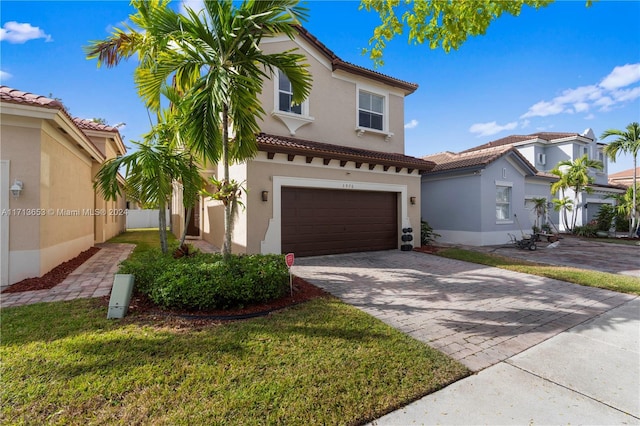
(310, 149)
(625, 174)
(466, 159)
(10, 95)
(338, 63)
(86, 124)
(7, 94)
(514, 139)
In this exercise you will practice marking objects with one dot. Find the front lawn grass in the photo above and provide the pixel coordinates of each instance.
(144, 239)
(322, 362)
(620, 283)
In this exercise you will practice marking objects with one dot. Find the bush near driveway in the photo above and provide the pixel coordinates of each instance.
(205, 281)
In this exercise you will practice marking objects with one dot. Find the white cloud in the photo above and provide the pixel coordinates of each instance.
(5, 75)
(610, 92)
(621, 76)
(488, 129)
(411, 125)
(589, 117)
(18, 33)
(524, 124)
(543, 109)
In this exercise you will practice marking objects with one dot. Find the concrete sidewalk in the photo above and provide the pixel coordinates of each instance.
(589, 374)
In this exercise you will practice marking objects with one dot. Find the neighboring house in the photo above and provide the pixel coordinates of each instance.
(624, 178)
(506, 189)
(479, 197)
(53, 158)
(330, 175)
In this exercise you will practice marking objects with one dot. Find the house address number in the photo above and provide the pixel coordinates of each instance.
(348, 186)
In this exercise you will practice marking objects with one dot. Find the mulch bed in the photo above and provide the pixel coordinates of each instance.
(428, 249)
(141, 308)
(54, 276)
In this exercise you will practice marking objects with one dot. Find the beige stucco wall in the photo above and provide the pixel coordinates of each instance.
(20, 144)
(332, 104)
(57, 190)
(66, 191)
(261, 174)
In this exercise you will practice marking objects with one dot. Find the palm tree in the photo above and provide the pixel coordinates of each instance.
(540, 209)
(628, 142)
(575, 175)
(213, 57)
(150, 172)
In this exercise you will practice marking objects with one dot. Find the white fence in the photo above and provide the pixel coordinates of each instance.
(144, 219)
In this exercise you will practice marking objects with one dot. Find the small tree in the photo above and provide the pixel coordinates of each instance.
(574, 175)
(628, 142)
(150, 172)
(540, 209)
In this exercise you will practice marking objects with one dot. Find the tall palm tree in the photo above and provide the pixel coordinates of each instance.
(628, 142)
(150, 172)
(213, 57)
(575, 175)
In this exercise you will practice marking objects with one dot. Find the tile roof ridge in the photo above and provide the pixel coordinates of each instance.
(10, 94)
(339, 63)
(89, 124)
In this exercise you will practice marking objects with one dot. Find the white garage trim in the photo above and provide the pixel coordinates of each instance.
(272, 242)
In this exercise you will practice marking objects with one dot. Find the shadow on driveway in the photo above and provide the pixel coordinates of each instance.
(479, 315)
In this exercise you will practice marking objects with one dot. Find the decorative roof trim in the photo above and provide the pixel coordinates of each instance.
(309, 149)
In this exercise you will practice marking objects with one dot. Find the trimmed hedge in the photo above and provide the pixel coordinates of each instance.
(206, 281)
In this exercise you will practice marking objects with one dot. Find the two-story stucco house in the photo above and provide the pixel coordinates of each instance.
(52, 158)
(481, 195)
(330, 175)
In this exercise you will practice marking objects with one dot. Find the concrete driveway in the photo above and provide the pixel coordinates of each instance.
(478, 315)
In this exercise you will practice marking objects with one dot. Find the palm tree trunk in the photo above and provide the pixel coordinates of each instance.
(162, 223)
(186, 225)
(228, 212)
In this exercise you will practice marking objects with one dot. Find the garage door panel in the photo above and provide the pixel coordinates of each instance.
(322, 221)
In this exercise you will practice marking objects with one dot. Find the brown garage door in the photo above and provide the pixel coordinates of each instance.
(327, 221)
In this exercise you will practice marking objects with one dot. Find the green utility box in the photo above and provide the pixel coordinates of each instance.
(120, 295)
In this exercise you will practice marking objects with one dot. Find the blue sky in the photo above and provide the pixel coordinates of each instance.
(563, 68)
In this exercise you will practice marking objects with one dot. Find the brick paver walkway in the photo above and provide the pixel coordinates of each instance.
(94, 278)
(478, 315)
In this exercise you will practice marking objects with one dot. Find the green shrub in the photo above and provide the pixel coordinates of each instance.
(146, 267)
(589, 230)
(205, 281)
(427, 236)
(605, 217)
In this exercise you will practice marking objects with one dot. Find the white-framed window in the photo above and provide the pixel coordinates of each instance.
(285, 95)
(292, 116)
(542, 159)
(503, 202)
(371, 110)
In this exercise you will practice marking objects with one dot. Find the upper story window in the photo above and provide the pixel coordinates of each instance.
(292, 116)
(371, 110)
(285, 95)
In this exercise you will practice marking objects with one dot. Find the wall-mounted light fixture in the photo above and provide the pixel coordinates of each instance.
(16, 188)
(265, 196)
(412, 200)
